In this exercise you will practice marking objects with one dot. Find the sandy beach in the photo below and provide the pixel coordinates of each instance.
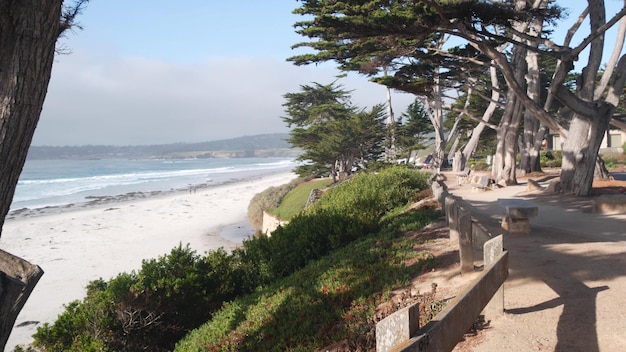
(84, 242)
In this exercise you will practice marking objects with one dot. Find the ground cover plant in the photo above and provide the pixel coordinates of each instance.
(154, 307)
(330, 300)
(295, 200)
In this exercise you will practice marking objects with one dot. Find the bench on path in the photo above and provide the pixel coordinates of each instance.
(463, 177)
(480, 182)
(516, 214)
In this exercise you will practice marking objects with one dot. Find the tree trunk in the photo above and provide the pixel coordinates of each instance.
(391, 153)
(580, 152)
(17, 280)
(28, 33)
(529, 161)
(29, 30)
(580, 149)
(601, 173)
(504, 165)
(472, 144)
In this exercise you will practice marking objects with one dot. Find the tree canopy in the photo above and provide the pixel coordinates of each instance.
(335, 135)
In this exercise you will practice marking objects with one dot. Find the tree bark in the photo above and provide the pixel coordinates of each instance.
(29, 30)
(472, 144)
(28, 33)
(529, 153)
(591, 114)
(580, 151)
(17, 280)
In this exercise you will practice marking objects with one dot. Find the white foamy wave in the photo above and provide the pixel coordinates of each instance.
(46, 183)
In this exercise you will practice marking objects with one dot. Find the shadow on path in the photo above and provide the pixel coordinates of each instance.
(564, 260)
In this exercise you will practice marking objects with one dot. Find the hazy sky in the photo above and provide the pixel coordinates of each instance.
(152, 72)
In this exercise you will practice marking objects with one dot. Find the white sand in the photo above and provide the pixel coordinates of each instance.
(79, 244)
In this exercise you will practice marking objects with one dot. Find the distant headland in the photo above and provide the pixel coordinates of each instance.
(262, 145)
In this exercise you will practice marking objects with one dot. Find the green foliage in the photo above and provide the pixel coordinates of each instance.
(146, 310)
(334, 135)
(343, 214)
(550, 158)
(411, 133)
(329, 300)
(294, 201)
(370, 195)
(613, 160)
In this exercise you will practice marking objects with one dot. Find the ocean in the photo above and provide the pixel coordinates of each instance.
(45, 183)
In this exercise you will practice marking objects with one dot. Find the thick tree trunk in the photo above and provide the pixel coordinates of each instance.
(580, 152)
(529, 161)
(29, 30)
(504, 167)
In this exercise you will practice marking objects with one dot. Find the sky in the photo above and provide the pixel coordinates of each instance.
(155, 72)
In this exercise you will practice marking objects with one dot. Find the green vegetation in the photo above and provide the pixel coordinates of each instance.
(614, 160)
(332, 299)
(355, 224)
(295, 201)
(335, 136)
(550, 158)
(269, 199)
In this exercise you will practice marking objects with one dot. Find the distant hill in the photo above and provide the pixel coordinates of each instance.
(246, 146)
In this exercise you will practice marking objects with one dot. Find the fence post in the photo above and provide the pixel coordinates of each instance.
(492, 251)
(452, 213)
(466, 247)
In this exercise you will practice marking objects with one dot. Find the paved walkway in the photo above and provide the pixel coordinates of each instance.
(566, 289)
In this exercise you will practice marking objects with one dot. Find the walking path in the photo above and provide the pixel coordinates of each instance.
(566, 289)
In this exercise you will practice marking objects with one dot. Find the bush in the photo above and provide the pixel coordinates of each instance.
(342, 215)
(146, 310)
(550, 158)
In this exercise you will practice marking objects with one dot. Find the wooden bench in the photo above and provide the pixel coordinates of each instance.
(516, 214)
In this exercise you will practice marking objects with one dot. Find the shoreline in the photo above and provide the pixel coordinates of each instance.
(78, 243)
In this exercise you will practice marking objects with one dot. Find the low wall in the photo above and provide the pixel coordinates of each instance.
(484, 295)
(270, 223)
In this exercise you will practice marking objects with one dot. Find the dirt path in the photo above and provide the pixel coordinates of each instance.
(567, 279)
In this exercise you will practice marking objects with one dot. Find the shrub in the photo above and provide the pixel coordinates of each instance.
(146, 310)
(342, 215)
(550, 158)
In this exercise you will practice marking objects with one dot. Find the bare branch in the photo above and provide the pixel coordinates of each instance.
(616, 88)
(601, 30)
(610, 66)
(68, 17)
